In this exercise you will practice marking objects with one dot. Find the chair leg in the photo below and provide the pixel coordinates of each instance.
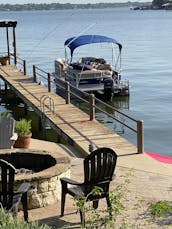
(82, 216)
(95, 204)
(63, 198)
(25, 206)
(109, 206)
(14, 210)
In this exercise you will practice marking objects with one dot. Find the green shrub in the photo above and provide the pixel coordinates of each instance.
(23, 127)
(7, 221)
(104, 218)
(160, 209)
(5, 114)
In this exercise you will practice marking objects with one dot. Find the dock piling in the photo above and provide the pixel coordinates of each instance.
(34, 74)
(92, 107)
(140, 136)
(67, 92)
(49, 82)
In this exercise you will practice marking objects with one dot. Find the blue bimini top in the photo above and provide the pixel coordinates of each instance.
(75, 42)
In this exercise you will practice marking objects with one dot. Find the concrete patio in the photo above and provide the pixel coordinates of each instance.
(150, 181)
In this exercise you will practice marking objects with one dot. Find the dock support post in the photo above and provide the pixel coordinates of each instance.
(67, 93)
(49, 82)
(25, 109)
(140, 136)
(6, 88)
(92, 107)
(34, 73)
(59, 138)
(40, 124)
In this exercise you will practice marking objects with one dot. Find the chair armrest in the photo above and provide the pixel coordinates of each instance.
(14, 137)
(66, 180)
(24, 187)
(114, 176)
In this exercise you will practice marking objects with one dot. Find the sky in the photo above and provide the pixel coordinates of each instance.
(66, 1)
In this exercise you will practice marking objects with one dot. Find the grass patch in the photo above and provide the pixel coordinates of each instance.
(160, 209)
(7, 221)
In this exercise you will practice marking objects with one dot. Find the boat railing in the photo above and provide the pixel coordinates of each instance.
(94, 107)
(123, 83)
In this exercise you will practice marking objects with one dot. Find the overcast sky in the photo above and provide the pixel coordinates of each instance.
(66, 1)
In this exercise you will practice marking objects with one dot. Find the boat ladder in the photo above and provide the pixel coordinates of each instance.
(47, 106)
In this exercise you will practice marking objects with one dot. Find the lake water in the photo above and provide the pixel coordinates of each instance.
(146, 37)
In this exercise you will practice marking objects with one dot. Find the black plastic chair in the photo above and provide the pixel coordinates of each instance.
(9, 198)
(99, 168)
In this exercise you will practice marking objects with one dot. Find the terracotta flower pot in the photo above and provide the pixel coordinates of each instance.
(4, 60)
(23, 141)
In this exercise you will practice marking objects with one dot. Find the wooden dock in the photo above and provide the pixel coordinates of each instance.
(68, 121)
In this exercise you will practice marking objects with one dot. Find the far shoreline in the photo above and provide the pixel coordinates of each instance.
(59, 6)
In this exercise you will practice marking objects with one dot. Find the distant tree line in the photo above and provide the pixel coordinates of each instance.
(58, 6)
(155, 4)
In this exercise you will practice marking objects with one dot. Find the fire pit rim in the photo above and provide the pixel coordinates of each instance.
(62, 165)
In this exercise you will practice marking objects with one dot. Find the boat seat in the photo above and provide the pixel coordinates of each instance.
(84, 67)
(89, 59)
(104, 67)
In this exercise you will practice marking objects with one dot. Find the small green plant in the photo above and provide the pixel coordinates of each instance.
(23, 127)
(7, 221)
(93, 218)
(5, 114)
(160, 209)
(103, 218)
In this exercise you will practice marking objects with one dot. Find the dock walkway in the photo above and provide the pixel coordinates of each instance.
(67, 120)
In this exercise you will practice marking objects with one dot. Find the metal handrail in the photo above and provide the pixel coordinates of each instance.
(91, 101)
(19, 61)
(70, 90)
(43, 74)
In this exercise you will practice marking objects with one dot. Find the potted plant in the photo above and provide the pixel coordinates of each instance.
(23, 129)
(4, 60)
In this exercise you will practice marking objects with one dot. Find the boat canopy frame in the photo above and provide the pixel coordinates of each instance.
(77, 41)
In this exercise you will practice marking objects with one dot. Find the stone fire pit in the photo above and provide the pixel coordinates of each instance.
(43, 170)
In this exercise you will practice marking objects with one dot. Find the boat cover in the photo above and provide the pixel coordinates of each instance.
(75, 42)
(159, 157)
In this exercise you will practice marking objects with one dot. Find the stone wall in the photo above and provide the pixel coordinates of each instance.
(46, 181)
(46, 191)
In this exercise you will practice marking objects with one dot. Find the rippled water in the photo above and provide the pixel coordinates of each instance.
(146, 37)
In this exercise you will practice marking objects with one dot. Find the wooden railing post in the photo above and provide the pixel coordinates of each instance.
(140, 136)
(67, 93)
(92, 107)
(14, 45)
(34, 73)
(49, 82)
(24, 67)
(9, 57)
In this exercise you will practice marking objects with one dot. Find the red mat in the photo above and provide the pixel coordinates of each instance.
(161, 158)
